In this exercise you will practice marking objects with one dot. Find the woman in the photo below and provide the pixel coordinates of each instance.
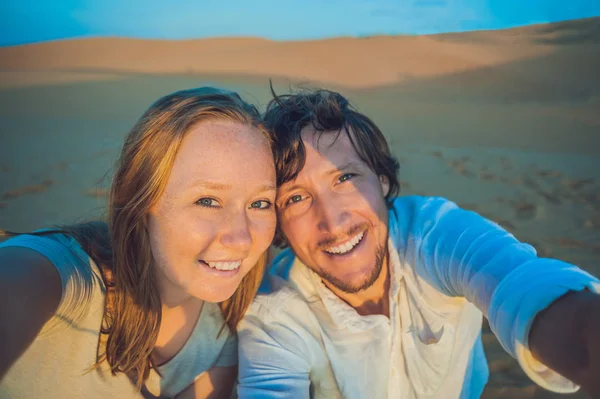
(131, 308)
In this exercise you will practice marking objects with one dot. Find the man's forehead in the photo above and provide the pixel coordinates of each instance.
(327, 153)
(328, 141)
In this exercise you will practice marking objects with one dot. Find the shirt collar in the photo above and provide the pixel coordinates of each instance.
(342, 314)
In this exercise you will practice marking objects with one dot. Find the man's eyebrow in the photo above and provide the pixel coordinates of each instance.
(291, 188)
(349, 165)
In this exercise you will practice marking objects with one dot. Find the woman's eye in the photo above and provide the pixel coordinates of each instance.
(207, 202)
(346, 176)
(262, 204)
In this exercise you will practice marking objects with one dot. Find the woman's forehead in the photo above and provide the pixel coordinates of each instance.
(227, 152)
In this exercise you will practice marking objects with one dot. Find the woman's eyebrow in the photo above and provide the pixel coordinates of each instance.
(222, 187)
(267, 187)
(212, 185)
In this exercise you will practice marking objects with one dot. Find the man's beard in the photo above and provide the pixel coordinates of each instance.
(366, 283)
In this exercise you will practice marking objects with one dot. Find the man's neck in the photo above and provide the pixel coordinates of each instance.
(372, 300)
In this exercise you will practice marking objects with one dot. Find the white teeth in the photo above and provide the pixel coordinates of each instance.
(343, 248)
(224, 265)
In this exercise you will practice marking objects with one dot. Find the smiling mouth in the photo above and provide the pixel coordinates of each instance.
(347, 246)
(224, 266)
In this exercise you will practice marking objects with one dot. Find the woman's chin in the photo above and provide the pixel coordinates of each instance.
(215, 296)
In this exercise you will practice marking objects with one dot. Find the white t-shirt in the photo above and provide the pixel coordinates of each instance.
(58, 362)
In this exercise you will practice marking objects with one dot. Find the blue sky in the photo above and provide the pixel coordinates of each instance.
(25, 21)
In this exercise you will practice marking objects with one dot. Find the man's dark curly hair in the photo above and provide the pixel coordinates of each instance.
(326, 111)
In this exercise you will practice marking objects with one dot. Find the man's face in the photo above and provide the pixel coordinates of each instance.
(334, 213)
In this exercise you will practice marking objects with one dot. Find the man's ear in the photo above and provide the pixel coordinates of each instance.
(385, 184)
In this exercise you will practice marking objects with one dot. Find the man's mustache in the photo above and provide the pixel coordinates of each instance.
(328, 242)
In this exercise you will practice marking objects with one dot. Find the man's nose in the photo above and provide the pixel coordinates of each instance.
(332, 215)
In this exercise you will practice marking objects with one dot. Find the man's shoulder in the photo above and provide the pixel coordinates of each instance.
(413, 203)
(410, 215)
(278, 300)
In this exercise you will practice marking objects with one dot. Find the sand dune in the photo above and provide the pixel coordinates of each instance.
(348, 62)
(503, 122)
(580, 31)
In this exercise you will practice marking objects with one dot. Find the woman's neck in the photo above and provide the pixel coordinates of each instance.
(176, 327)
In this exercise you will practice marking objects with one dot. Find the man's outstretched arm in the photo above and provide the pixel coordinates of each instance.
(463, 254)
(566, 337)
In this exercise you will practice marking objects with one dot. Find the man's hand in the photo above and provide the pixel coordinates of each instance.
(566, 337)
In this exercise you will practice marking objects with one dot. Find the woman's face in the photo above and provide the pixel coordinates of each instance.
(216, 215)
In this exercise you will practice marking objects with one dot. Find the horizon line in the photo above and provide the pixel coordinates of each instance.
(304, 39)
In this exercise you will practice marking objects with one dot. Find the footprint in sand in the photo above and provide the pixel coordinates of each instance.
(487, 176)
(516, 182)
(502, 200)
(3, 205)
(33, 189)
(459, 166)
(525, 210)
(577, 184)
(592, 200)
(550, 197)
(549, 173)
(592, 223)
(571, 243)
(506, 164)
(531, 183)
(97, 192)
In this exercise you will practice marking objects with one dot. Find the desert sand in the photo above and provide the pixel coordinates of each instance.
(506, 123)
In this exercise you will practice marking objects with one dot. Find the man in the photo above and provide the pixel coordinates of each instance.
(383, 297)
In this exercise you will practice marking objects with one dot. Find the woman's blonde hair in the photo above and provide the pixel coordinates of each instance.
(121, 248)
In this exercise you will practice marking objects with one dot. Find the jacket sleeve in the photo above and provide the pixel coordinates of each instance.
(274, 358)
(463, 254)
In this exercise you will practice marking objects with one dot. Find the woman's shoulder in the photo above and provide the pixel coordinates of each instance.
(63, 251)
(80, 278)
(57, 247)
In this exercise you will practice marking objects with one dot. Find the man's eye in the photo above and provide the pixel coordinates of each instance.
(261, 204)
(346, 176)
(207, 202)
(294, 198)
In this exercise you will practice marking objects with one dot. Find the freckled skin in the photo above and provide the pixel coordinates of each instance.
(229, 165)
(332, 206)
